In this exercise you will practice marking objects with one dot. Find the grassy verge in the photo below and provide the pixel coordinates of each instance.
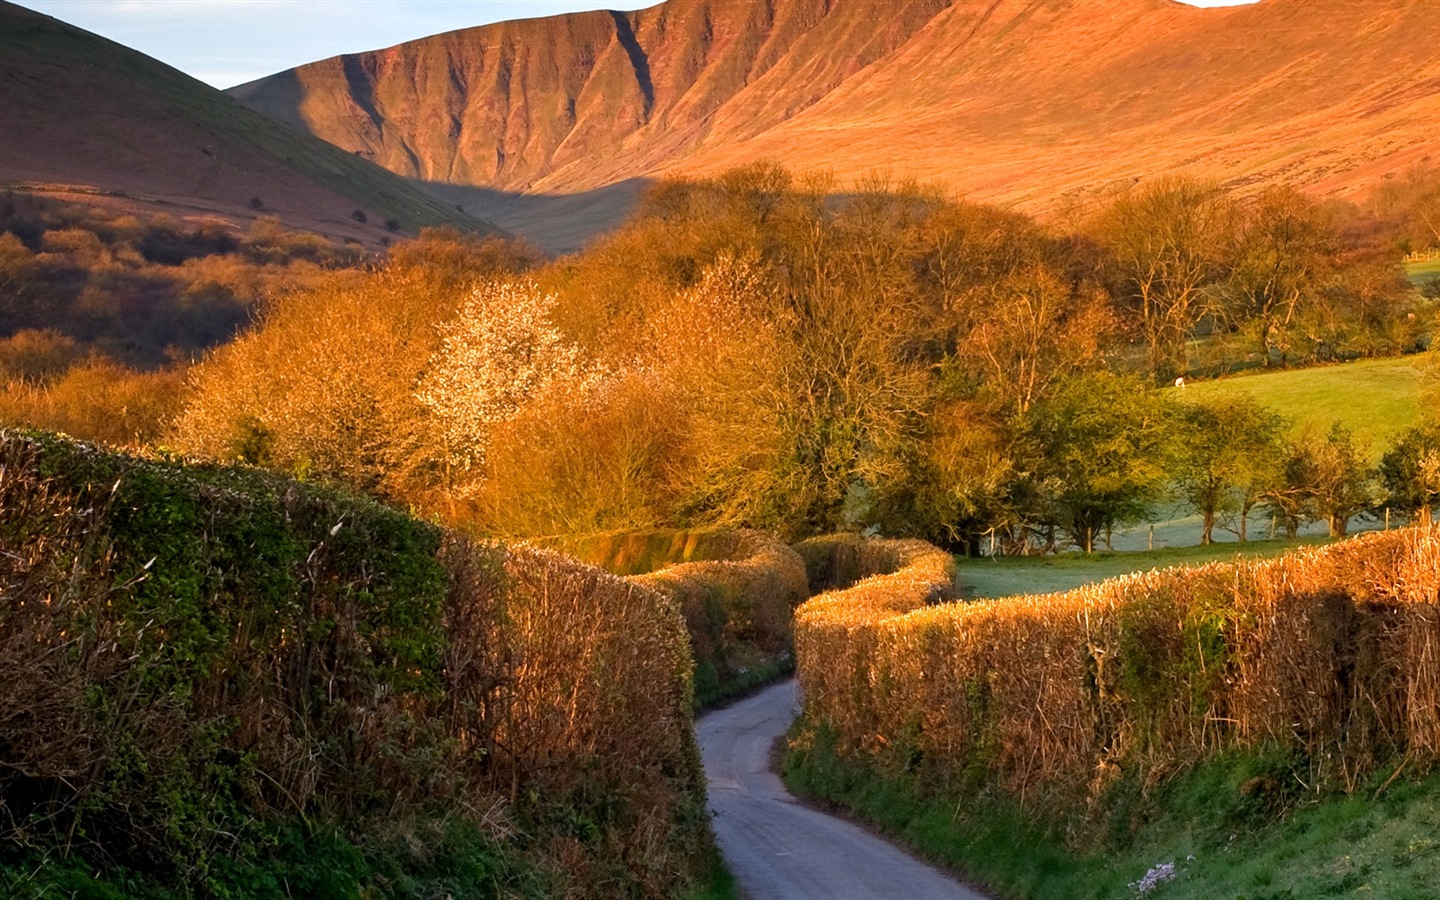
(430, 859)
(718, 883)
(712, 691)
(1422, 271)
(1009, 576)
(1241, 826)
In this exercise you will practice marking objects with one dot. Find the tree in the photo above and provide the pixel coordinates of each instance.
(1031, 330)
(1369, 309)
(1410, 471)
(1171, 242)
(1324, 479)
(1099, 453)
(499, 353)
(1287, 249)
(961, 479)
(1228, 454)
(18, 269)
(583, 462)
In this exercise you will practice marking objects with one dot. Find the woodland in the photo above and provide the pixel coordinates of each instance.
(756, 349)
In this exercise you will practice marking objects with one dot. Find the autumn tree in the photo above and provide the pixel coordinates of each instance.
(1228, 455)
(18, 269)
(1410, 208)
(1031, 330)
(328, 378)
(1171, 242)
(1286, 253)
(579, 462)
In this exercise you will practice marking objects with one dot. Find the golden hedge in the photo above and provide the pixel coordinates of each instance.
(1333, 653)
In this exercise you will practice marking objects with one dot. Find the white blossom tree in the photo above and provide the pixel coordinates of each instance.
(498, 354)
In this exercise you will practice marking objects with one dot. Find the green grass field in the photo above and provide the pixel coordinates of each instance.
(1012, 575)
(1423, 271)
(1376, 399)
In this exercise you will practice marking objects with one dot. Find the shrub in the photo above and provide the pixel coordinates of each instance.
(195, 661)
(737, 590)
(36, 355)
(96, 400)
(1322, 655)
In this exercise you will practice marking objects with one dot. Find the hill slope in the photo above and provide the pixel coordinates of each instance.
(84, 113)
(1025, 101)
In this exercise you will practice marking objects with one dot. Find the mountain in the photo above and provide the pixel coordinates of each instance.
(1031, 102)
(84, 116)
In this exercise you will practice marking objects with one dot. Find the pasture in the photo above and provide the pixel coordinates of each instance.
(1011, 575)
(1423, 270)
(1376, 399)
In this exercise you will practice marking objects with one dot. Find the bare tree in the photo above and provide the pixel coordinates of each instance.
(1287, 247)
(1171, 242)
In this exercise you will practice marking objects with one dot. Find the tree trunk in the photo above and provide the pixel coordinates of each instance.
(1338, 524)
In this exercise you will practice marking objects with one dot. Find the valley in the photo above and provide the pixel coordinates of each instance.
(466, 468)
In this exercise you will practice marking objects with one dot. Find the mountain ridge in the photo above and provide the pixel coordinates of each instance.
(1035, 103)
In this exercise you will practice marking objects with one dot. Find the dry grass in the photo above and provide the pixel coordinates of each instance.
(1330, 653)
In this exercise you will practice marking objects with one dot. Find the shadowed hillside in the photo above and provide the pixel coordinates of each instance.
(85, 116)
(1017, 100)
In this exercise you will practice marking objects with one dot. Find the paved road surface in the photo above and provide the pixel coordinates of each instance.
(780, 849)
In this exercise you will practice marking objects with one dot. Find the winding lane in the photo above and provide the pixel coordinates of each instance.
(780, 849)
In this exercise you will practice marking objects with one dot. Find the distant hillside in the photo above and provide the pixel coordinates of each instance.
(1037, 102)
(85, 116)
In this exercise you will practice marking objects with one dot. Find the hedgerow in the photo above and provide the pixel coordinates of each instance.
(1326, 656)
(203, 669)
(737, 590)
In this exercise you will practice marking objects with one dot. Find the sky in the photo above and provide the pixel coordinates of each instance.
(230, 42)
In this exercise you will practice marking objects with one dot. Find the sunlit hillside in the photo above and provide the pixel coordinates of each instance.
(1044, 104)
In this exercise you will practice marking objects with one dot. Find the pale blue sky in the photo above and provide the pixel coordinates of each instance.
(229, 42)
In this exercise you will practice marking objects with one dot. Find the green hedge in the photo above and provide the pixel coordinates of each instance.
(226, 683)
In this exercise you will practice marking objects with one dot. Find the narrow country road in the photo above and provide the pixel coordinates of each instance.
(780, 849)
